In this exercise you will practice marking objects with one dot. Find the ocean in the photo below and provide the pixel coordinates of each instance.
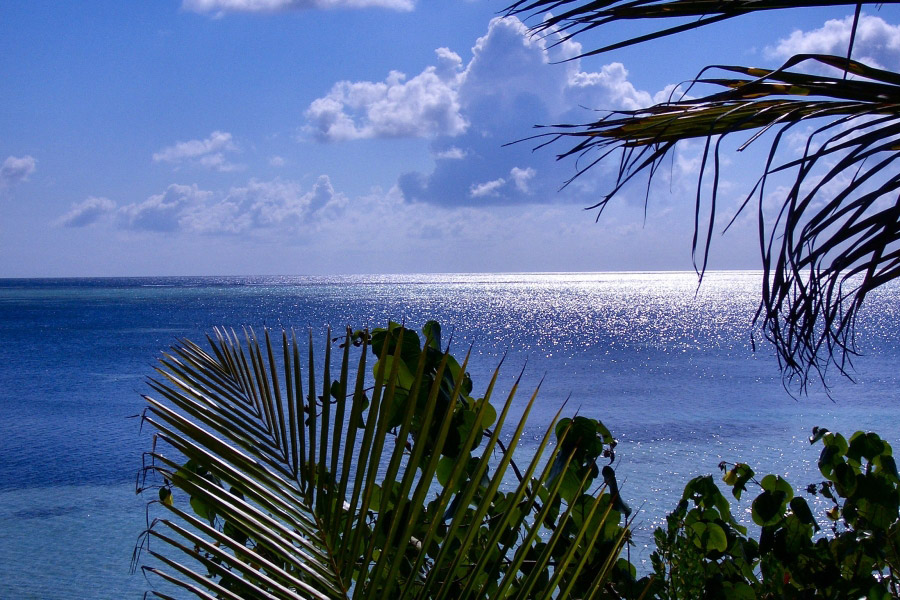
(666, 366)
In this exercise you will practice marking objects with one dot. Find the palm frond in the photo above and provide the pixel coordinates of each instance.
(576, 17)
(389, 482)
(825, 250)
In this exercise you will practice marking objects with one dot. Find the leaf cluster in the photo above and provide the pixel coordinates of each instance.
(393, 482)
(569, 18)
(704, 553)
(834, 237)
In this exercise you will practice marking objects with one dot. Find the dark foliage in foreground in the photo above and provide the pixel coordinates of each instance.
(836, 236)
(404, 489)
(382, 481)
(705, 553)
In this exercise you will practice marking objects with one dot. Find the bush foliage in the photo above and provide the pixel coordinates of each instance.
(703, 552)
(403, 488)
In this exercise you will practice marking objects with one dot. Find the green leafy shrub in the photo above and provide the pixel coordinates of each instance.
(394, 482)
(704, 553)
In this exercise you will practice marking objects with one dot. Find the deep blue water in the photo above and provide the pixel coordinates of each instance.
(668, 368)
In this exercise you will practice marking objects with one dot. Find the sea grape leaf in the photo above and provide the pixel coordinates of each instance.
(709, 537)
(432, 331)
(769, 507)
(737, 478)
(405, 377)
(410, 348)
(801, 510)
(864, 445)
(444, 469)
(885, 465)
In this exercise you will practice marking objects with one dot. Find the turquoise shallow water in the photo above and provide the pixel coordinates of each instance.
(667, 367)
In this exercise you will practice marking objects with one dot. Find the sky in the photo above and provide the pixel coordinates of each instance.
(295, 137)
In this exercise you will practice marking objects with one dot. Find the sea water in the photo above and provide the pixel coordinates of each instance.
(667, 366)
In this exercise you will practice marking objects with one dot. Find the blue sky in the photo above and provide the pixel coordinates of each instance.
(345, 136)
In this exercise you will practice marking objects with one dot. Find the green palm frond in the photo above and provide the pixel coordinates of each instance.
(575, 17)
(389, 483)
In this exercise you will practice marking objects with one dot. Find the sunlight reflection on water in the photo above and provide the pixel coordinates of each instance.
(666, 365)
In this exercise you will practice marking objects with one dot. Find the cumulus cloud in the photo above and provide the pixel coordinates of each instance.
(425, 106)
(167, 211)
(258, 205)
(508, 85)
(208, 153)
(521, 177)
(276, 161)
(15, 170)
(518, 179)
(220, 7)
(509, 69)
(877, 42)
(611, 82)
(509, 63)
(87, 212)
(451, 153)
(488, 188)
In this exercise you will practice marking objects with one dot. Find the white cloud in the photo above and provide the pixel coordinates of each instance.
(507, 63)
(220, 7)
(290, 226)
(508, 67)
(167, 211)
(497, 238)
(451, 153)
(16, 170)
(87, 212)
(609, 85)
(425, 106)
(670, 93)
(518, 177)
(276, 161)
(208, 153)
(488, 188)
(509, 84)
(877, 42)
(521, 177)
(256, 206)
